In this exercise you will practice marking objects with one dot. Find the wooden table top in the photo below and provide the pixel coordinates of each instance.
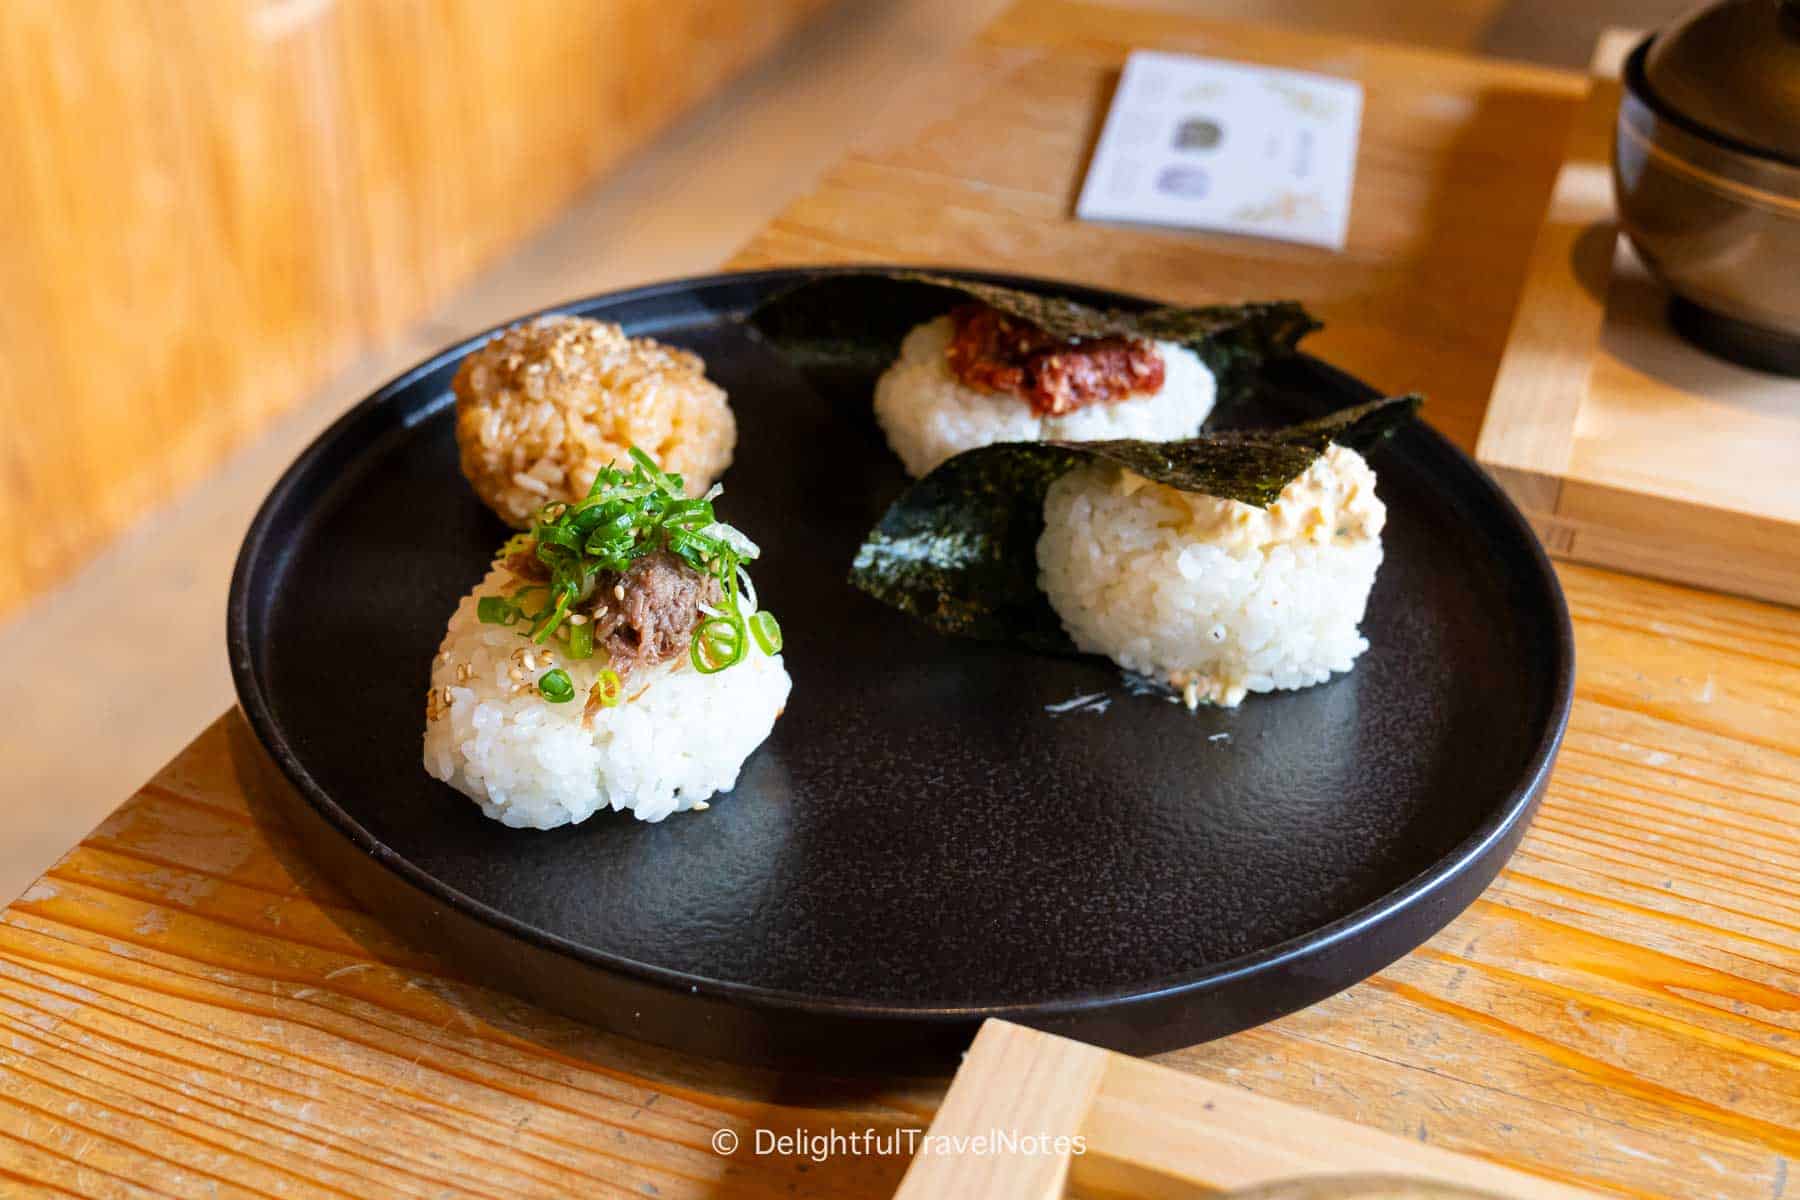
(186, 1008)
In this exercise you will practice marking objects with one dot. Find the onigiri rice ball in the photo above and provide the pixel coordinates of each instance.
(1217, 597)
(929, 415)
(544, 405)
(676, 738)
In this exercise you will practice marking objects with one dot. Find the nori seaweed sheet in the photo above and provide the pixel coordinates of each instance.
(853, 322)
(958, 549)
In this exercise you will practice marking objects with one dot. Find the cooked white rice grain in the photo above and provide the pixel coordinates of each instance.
(678, 737)
(929, 415)
(1216, 597)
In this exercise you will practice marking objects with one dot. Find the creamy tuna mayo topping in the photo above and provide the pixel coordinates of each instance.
(1333, 500)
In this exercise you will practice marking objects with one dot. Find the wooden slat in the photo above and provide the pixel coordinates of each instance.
(1529, 434)
(211, 207)
(1013, 1082)
(1101, 1124)
(182, 995)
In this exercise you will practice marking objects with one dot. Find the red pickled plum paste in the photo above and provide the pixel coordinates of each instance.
(994, 352)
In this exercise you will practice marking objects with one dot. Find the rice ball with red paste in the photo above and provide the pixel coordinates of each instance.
(977, 376)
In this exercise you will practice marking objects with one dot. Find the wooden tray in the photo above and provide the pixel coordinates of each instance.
(1626, 446)
(1149, 1132)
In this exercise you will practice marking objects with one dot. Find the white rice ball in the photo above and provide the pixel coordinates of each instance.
(929, 415)
(677, 738)
(1217, 597)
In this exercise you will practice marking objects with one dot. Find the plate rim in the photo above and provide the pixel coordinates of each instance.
(1505, 822)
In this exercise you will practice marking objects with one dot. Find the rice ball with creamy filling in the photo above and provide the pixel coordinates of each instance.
(544, 405)
(930, 411)
(1217, 597)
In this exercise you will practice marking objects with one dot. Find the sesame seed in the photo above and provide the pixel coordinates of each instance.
(515, 674)
(618, 591)
(577, 619)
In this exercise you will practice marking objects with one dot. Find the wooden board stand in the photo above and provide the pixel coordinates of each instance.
(1148, 1131)
(1626, 446)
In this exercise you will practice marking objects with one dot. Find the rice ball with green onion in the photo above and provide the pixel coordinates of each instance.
(614, 657)
(1217, 597)
(674, 738)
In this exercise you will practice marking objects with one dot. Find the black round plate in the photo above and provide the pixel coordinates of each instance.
(921, 843)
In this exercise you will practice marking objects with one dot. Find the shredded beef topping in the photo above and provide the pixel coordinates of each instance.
(648, 614)
(643, 616)
(995, 352)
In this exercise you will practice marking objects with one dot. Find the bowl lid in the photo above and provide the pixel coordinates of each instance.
(1734, 69)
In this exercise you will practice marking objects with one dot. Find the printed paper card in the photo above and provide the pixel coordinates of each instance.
(1208, 144)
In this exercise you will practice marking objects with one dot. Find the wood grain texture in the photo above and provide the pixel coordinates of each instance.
(1626, 446)
(1528, 431)
(1106, 1125)
(1025, 1083)
(187, 1007)
(210, 207)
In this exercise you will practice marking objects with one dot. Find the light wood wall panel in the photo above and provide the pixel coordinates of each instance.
(206, 207)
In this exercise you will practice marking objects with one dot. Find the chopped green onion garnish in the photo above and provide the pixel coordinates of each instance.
(670, 483)
(718, 643)
(626, 514)
(496, 610)
(557, 535)
(581, 640)
(556, 686)
(766, 631)
(545, 624)
(608, 688)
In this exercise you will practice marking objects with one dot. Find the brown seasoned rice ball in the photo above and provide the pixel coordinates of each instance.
(542, 407)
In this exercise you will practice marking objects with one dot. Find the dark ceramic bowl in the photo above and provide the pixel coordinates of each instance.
(1717, 220)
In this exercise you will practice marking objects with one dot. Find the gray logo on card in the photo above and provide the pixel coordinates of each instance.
(1183, 180)
(1198, 133)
